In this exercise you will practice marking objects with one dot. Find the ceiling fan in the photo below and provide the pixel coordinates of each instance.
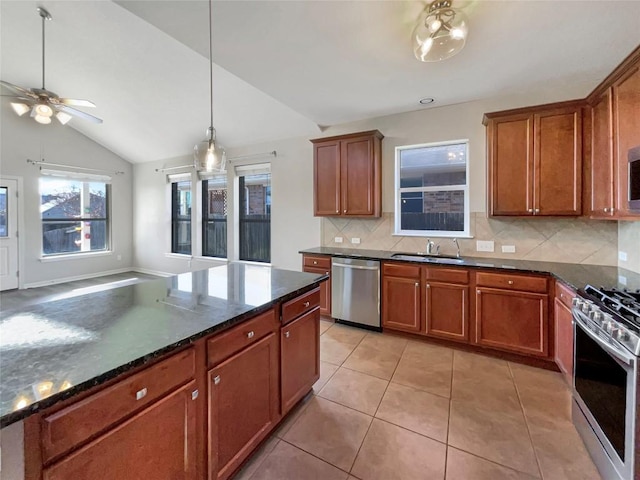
(44, 104)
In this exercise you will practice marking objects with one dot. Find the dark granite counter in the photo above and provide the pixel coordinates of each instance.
(54, 350)
(575, 275)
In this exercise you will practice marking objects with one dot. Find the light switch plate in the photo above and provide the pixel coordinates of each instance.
(338, 239)
(508, 249)
(355, 240)
(485, 246)
(622, 280)
(622, 256)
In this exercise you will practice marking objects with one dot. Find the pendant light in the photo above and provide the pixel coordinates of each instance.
(441, 34)
(208, 155)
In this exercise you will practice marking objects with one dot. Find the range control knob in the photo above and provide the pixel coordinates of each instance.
(587, 306)
(622, 335)
(609, 326)
(577, 302)
(596, 315)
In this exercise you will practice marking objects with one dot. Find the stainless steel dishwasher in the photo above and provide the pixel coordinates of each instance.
(355, 292)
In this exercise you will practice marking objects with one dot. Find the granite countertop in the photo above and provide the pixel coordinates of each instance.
(54, 350)
(575, 275)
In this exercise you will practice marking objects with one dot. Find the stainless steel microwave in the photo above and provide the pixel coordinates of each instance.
(634, 178)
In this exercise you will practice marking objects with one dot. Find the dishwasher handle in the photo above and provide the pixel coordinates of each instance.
(355, 267)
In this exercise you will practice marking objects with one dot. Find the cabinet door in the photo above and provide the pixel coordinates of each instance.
(447, 311)
(325, 289)
(510, 320)
(299, 357)
(157, 443)
(326, 175)
(602, 192)
(243, 405)
(359, 176)
(511, 165)
(401, 304)
(563, 329)
(558, 162)
(626, 114)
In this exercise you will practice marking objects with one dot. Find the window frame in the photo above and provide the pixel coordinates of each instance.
(204, 220)
(398, 191)
(245, 170)
(72, 176)
(174, 208)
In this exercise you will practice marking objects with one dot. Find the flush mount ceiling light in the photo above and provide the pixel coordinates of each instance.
(208, 155)
(440, 33)
(427, 100)
(42, 103)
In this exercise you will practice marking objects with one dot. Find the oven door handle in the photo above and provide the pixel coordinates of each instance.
(620, 356)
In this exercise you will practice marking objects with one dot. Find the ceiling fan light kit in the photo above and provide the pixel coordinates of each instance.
(441, 34)
(42, 103)
(209, 156)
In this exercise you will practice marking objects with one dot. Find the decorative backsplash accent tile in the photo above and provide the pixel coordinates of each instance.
(570, 240)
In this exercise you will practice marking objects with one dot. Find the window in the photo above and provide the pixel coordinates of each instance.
(181, 214)
(254, 208)
(432, 196)
(75, 212)
(3, 212)
(214, 216)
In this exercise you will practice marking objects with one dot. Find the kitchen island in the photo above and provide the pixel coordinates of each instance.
(102, 380)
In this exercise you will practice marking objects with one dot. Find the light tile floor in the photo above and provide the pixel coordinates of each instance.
(388, 408)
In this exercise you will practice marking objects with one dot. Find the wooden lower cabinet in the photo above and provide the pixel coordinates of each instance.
(325, 289)
(243, 405)
(563, 331)
(447, 310)
(512, 320)
(159, 443)
(401, 305)
(299, 357)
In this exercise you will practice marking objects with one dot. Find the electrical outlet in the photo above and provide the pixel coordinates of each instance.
(508, 249)
(622, 280)
(119, 257)
(484, 245)
(355, 240)
(338, 239)
(622, 256)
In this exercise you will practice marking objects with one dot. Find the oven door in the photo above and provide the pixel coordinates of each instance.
(605, 390)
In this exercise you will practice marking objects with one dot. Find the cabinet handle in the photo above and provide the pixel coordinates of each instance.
(306, 304)
(337, 211)
(417, 284)
(428, 286)
(530, 210)
(562, 295)
(287, 334)
(194, 394)
(344, 211)
(612, 210)
(216, 380)
(606, 210)
(250, 334)
(478, 292)
(537, 210)
(140, 394)
(315, 262)
(510, 282)
(326, 273)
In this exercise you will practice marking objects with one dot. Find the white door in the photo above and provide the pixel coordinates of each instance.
(8, 233)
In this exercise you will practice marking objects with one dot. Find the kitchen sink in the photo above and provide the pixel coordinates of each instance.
(423, 257)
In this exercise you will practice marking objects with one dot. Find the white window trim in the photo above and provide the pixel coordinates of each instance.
(397, 231)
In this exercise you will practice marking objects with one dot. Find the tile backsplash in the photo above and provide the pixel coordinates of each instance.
(570, 240)
(629, 242)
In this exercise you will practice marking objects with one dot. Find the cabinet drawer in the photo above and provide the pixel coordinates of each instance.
(296, 307)
(82, 420)
(564, 294)
(405, 270)
(512, 282)
(316, 261)
(226, 344)
(451, 275)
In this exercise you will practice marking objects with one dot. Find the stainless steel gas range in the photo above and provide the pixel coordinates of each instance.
(605, 380)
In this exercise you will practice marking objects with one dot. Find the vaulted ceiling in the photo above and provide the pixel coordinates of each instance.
(284, 68)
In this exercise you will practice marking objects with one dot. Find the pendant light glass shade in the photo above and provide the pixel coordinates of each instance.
(208, 155)
(441, 34)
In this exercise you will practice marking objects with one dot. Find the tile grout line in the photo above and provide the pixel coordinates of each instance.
(309, 453)
(526, 422)
(446, 451)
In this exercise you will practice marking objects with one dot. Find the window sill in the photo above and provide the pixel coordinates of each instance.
(211, 259)
(258, 264)
(433, 235)
(182, 256)
(74, 256)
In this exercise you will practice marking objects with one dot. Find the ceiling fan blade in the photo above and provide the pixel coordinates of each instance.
(17, 97)
(77, 113)
(18, 89)
(76, 103)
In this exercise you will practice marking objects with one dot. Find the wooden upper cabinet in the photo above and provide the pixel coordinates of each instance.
(347, 175)
(626, 117)
(615, 128)
(602, 184)
(535, 160)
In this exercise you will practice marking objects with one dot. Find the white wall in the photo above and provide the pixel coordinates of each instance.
(629, 242)
(293, 226)
(22, 138)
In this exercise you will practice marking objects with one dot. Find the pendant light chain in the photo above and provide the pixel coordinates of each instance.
(211, 64)
(43, 51)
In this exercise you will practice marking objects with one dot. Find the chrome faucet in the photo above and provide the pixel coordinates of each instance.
(431, 246)
(455, 240)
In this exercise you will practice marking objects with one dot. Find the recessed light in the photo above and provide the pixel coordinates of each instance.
(427, 100)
